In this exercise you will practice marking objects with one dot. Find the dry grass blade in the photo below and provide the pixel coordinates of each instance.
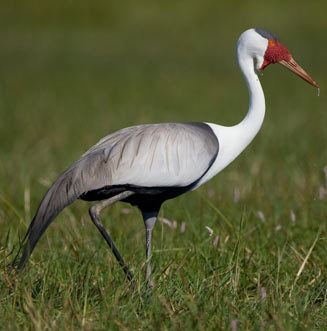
(304, 263)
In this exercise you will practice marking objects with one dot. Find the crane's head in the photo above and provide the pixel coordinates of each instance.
(265, 49)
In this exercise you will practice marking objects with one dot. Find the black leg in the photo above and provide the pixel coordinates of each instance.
(95, 211)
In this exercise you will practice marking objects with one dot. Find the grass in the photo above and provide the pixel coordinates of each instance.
(71, 73)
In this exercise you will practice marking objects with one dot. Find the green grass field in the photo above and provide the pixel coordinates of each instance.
(72, 72)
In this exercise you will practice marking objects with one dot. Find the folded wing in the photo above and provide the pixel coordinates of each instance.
(154, 155)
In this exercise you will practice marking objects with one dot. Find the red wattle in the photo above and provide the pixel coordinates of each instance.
(277, 52)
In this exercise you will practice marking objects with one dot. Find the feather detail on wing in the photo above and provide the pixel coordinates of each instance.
(169, 154)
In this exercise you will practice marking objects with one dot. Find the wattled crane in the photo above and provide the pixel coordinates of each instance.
(145, 165)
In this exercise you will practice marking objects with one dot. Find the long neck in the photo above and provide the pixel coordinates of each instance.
(234, 139)
(252, 122)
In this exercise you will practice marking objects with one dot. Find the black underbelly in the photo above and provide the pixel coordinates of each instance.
(144, 197)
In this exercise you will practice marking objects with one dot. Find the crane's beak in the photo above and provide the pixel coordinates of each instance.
(298, 70)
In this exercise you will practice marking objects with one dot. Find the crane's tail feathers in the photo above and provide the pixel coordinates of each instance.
(65, 190)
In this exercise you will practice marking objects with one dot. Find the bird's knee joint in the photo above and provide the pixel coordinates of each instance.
(94, 212)
(149, 223)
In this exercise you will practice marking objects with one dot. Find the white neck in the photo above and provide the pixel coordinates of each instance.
(234, 139)
(252, 122)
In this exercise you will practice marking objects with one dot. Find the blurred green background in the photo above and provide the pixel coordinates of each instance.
(74, 71)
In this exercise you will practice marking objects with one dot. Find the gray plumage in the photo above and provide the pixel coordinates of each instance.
(170, 155)
(266, 34)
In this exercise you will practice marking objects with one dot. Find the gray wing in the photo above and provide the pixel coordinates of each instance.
(154, 155)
